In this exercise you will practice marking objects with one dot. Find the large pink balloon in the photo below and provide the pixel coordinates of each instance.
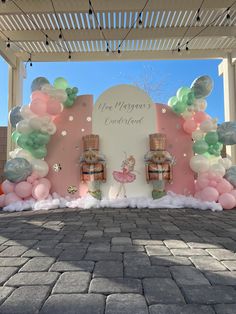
(40, 191)
(39, 95)
(209, 194)
(54, 107)
(224, 186)
(7, 187)
(2, 200)
(11, 198)
(200, 116)
(227, 201)
(189, 126)
(23, 189)
(38, 106)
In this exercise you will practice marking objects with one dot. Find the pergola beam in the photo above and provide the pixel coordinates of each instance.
(116, 34)
(7, 54)
(126, 55)
(70, 6)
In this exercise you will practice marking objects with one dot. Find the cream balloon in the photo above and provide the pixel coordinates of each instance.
(217, 169)
(208, 125)
(21, 153)
(199, 163)
(225, 162)
(40, 167)
(197, 135)
(26, 112)
(58, 94)
(23, 126)
(200, 104)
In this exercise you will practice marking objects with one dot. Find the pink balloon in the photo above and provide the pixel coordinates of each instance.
(23, 189)
(213, 176)
(224, 186)
(233, 192)
(201, 183)
(7, 187)
(38, 106)
(11, 198)
(209, 194)
(31, 179)
(189, 126)
(54, 107)
(227, 201)
(200, 116)
(46, 182)
(39, 95)
(40, 191)
(2, 200)
(213, 183)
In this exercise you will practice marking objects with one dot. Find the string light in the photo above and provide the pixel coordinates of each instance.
(60, 35)
(90, 11)
(69, 56)
(107, 50)
(140, 23)
(8, 43)
(30, 61)
(119, 50)
(46, 41)
(228, 14)
(198, 15)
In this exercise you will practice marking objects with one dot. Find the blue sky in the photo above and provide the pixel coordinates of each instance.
(161, 78)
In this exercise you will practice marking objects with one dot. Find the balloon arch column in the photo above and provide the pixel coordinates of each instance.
(27, 186)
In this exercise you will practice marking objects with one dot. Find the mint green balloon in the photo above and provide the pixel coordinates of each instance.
(211, 138)
(182, 91)
(179, 107)
(200, 147)
(60, 83)
(15, 135)
(172, 101)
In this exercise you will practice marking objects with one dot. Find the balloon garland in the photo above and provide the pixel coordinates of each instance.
(26, 171)
(216, 177)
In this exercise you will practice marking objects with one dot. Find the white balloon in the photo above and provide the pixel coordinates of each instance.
(40, 167)
(200, 104)
(26, 112)
(197, 135)
(59, 94)
(225, 162)
(209, 125)
(217, 169)
(23, 126)
(21, 153)
(199, 163)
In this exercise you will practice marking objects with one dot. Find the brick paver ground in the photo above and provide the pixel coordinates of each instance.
(118, 261)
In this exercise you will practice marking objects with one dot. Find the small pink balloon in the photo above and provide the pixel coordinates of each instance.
(224, 186)
(39, 95)
(189, 126)
(46, 182)
(227, 201)
(54, 107)
(11, 198)
(200, 116)
(38, 106)
(40, 192)
(7, 187)
(209, 194)
(23, 189)
(2, 200)
(213, 183)
(214, 176)
(202, 183)
(34, 176)
(233, 192)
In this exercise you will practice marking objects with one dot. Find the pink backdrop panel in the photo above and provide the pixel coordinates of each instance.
(66, 147)
(179, 144)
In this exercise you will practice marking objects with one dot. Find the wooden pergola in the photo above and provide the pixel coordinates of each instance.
(83, 30)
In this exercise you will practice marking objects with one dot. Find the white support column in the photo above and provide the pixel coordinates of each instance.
(227, 69)
(15, 95)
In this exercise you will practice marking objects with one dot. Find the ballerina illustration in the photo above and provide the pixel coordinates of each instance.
(126, 174)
